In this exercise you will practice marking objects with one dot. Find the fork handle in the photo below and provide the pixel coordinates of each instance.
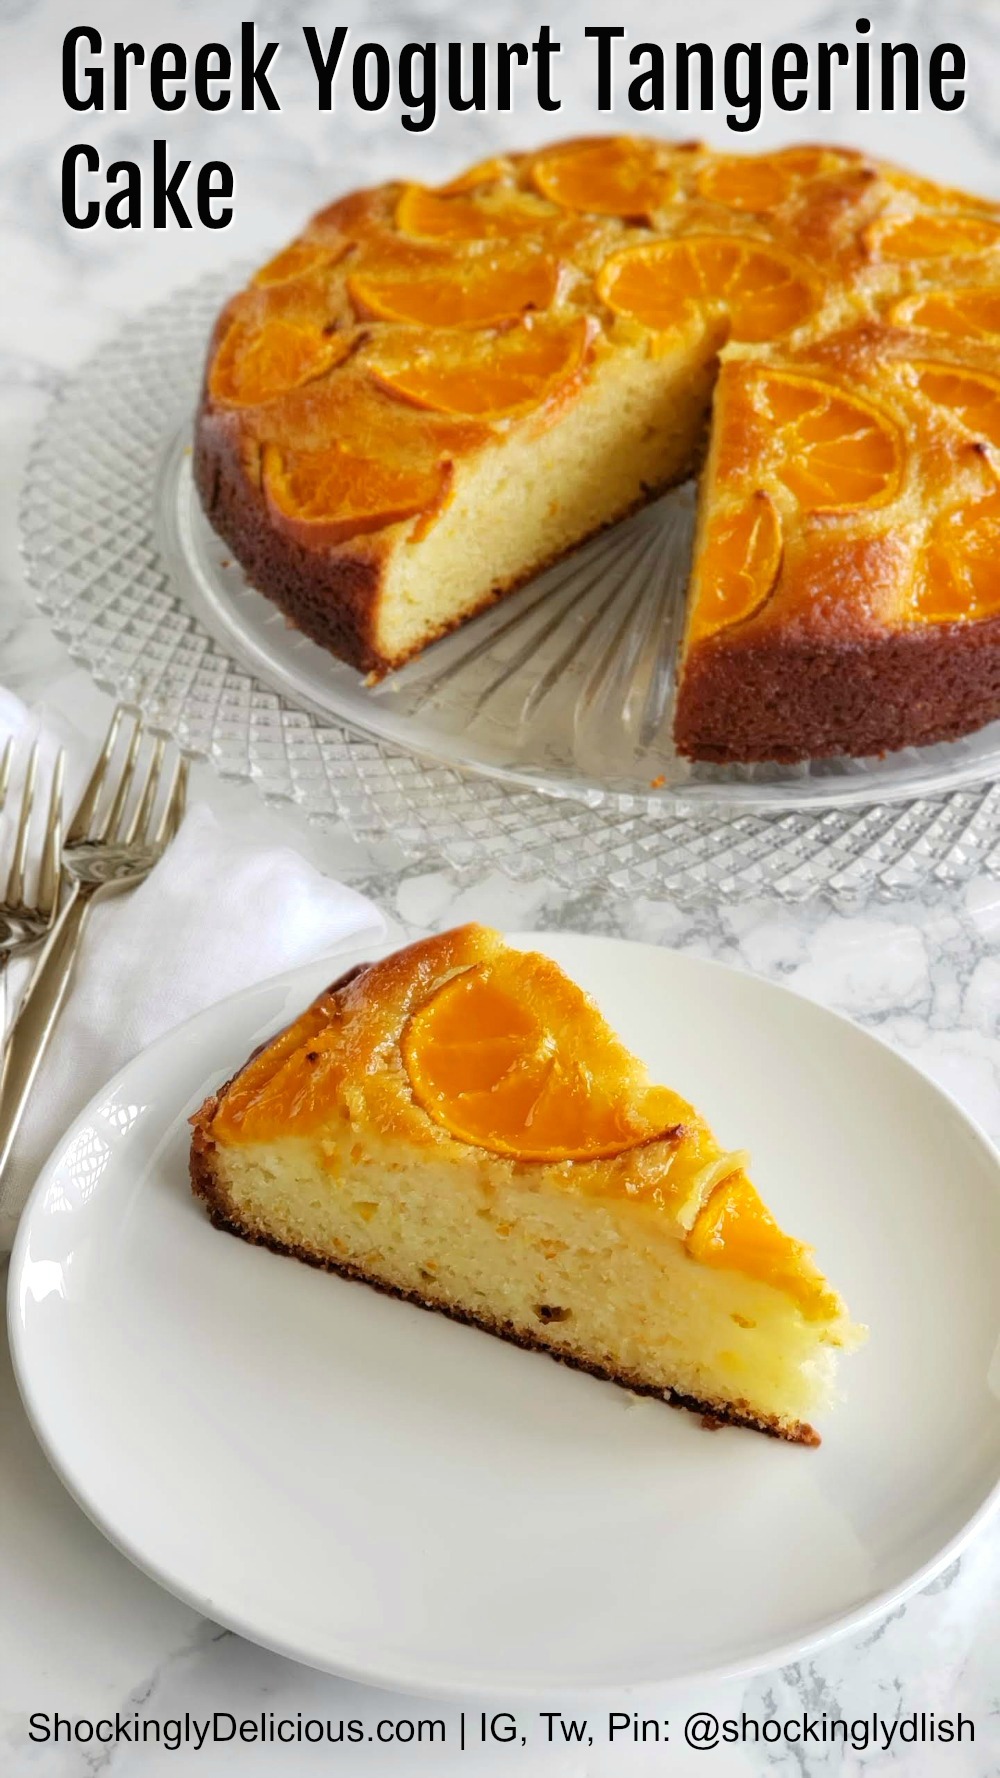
(37, 1015)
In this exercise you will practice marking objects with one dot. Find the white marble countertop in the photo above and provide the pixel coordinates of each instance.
(80, 1629)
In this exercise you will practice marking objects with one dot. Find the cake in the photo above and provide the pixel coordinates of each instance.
(459, 1126)
(431, 394)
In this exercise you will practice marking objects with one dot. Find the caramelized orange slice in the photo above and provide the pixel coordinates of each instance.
(294, 262)
(932, 192)
(475, 292)
(255, 364)
(434, 216)
(512, 1057)
(277, 1087)
(760, 182)
(617, 176)
(971, 314)
(738, 566)
(489, 376)
(961, 578)
(836, 452)
(735, 1230)
(348, 493)
(761, 290)
(933, 237)
(969, 397)
(483, 173)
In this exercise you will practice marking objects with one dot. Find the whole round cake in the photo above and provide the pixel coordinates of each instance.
(432, 394)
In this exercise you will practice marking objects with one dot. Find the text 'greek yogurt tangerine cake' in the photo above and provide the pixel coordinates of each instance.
(459, 1126)
(434, 393)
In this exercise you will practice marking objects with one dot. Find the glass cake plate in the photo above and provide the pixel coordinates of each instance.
(536, 738)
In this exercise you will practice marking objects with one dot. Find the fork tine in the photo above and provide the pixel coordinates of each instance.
(178, 805)
(109, 827)
(144, 809)
(79, 828)
(5, 761)
(173, 811)
(14, 893)
(50, 868)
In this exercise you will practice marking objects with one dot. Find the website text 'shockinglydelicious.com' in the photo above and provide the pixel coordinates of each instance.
(464, 1730)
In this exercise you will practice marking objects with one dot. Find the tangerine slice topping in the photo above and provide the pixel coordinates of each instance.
(475, 293)
(434, 216)
(483, 173)
(961, 578)
(293, 262)
(618, 176)
(736, 1231)
(513, 1057)
(761, 182)
(932, 192)
(969, 397)
(763, 291)
(837, 453)
(276, 1089)
(738, 566)
(255, 364)
(969, 313)
(933, 237)
(488, 376)
(348, 493)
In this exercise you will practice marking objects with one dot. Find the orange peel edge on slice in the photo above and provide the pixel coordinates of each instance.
(881, 423)
(945, 308)
(755, 531)
(693, 288)
(430, 492)
(297, 261)
(441, 390)
(609, 193)
(735, 1231)
(423, 213)
(925, 236)
(508, 1069)
(504, 294)
(239, 377)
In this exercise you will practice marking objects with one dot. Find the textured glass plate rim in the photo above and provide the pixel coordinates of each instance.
(340, 698)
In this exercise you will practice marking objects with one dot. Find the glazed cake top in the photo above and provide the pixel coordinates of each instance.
(461, 1049)
(856, 307)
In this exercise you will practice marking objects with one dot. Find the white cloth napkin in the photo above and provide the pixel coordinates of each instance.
(216, 914)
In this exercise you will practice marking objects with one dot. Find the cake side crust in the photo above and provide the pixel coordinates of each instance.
(826, 699)
(332, 597)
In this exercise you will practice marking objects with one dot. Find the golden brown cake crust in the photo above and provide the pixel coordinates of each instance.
(780, 699)
(332, 598)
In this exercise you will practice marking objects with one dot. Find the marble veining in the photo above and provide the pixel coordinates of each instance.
(79, 1627)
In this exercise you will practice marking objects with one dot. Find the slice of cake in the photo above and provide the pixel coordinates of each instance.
(458, 1125)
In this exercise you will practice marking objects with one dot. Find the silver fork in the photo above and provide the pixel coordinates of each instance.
(103, 854)
(26, 918)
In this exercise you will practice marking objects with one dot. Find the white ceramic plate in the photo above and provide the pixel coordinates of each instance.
(388, 1495)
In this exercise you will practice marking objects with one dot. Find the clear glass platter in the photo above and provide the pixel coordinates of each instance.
(536, 738)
